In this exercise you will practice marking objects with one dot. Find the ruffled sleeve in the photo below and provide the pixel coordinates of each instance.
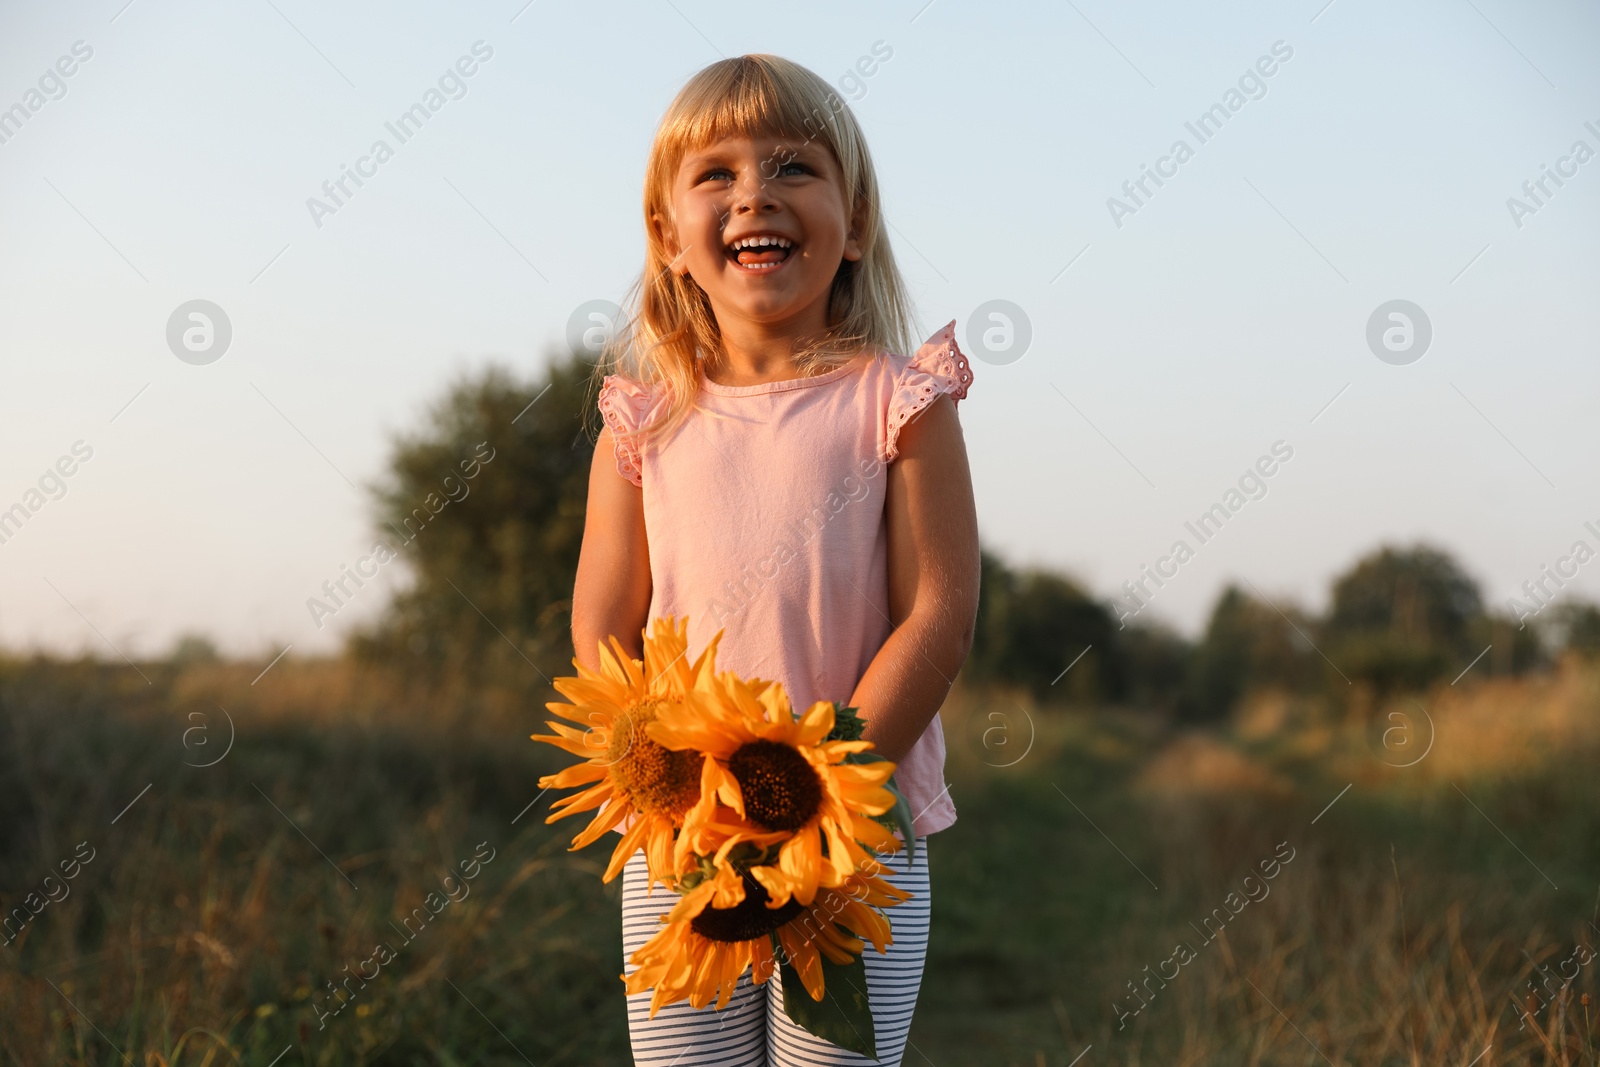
(938, 367)
(623, 404)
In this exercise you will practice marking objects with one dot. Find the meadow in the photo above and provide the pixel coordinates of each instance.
(1437, 906)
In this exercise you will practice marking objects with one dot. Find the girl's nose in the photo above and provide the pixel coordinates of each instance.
(755, 196)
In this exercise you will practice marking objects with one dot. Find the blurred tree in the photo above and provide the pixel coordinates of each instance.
(485, 506)
(1246, 643)
(1154, 660)
(193, 648)
(1403, 617)
(1510, 648)
(1571, 626)
(1031, 627)
(1218, 669)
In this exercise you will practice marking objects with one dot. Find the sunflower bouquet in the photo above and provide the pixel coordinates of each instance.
(767, 823)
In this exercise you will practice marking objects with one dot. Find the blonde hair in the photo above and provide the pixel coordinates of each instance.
(669, 323)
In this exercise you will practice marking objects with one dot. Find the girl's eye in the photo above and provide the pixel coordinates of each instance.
(717, 174)
(790, 170)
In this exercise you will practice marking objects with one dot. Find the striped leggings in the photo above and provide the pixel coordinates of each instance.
(753, 1030)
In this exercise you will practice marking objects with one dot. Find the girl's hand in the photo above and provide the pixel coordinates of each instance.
(612, 592)
(933, 582)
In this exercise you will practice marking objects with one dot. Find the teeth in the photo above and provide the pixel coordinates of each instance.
(762, 242)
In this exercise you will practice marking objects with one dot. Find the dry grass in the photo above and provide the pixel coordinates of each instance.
(219, 907)
(1414, 912)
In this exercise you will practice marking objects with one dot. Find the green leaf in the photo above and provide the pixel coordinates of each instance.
(843, 1015)
(902, 816)
(848, 724)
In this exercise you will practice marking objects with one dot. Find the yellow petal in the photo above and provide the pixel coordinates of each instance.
(841, 854)
(612, 814)
(779, 886)
(693, 902)
(816, 724)
(864, 774)
(629, 844)
(838, 750)
(801, 954)
(801, 859)
(874, 834)
(762, 963)
(590, 798)
(729, 888)
(577, 774)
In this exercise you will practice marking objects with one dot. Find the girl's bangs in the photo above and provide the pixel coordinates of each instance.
(746, 98)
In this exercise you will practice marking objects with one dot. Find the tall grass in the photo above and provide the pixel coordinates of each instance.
(221, 904)
(1418, 905)
(1406, 930)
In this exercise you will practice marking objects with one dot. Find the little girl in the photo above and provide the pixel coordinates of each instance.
(771, 468)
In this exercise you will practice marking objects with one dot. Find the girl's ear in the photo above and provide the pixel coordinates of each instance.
(855, 237)
(667, 233)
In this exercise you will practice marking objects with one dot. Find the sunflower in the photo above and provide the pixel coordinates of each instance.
(768, 777)
(830, 924)
(626, 771)
(728, 922)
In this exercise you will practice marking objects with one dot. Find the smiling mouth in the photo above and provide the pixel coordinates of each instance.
(761, 252)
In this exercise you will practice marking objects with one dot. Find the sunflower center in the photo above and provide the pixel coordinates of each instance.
(657, 780)
(746, 920)
(780, 789)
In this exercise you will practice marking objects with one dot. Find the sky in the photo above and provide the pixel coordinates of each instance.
(1175, 335)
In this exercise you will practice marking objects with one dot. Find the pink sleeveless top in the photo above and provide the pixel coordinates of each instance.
(764, 513)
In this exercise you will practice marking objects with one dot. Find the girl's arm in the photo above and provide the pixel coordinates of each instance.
(612, 592)
(933, 582)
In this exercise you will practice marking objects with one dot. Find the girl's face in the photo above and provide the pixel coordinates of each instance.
(762, 225)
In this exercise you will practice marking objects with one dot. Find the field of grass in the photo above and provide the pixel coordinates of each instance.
(1409, 912)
